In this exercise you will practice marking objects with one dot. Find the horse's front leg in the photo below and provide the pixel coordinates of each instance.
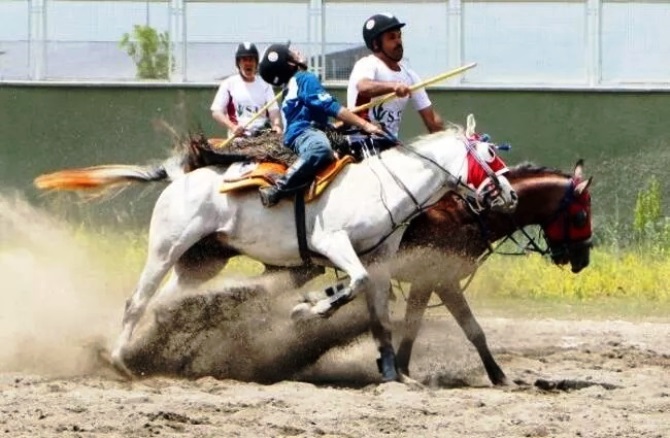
(338, 249)
(455, 301)
(417, 302)
(377, 299)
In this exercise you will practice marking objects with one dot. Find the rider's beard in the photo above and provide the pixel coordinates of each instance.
(397, 53)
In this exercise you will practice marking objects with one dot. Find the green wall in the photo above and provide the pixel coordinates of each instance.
(621, 135)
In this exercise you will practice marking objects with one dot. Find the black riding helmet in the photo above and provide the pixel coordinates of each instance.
(277, 65)
(245, 49)
(377, 25)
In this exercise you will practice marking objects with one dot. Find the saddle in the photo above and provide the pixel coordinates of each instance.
(247, 175)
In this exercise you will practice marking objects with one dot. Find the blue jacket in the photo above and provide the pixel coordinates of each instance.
(306, 102)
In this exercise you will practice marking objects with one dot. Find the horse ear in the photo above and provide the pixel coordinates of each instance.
(579, 189)
(579, 170)
(471, 124)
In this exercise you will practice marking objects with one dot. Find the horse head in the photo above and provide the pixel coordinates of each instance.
(562, 207)
(568, 232)
(486, 172)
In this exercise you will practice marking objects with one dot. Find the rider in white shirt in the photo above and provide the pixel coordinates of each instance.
(382, 72)
(241, 96)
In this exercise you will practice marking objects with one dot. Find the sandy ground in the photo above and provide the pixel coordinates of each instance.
(57, 311)
(455, 401)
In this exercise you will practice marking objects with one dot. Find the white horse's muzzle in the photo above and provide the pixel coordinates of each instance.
(497, 197)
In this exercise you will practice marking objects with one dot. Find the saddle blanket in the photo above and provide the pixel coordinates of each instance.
(249, 175)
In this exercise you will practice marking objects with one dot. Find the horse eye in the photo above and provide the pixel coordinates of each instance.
(579, 219)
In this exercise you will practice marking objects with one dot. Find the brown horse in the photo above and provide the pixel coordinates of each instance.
(558, 202)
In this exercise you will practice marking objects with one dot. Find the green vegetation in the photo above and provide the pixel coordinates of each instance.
(630, 283)
(150, 51)
(633, 275)
(651, 228)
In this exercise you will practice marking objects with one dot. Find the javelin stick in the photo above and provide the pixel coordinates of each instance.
(254, 117)
(416, 86)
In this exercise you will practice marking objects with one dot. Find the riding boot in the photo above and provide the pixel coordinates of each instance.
(297, 176)
(387, 364)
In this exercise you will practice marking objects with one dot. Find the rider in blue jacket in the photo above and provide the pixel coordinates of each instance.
(307, 106)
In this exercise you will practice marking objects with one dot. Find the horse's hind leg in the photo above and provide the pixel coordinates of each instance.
(417, 302)
(166, 245)
(199, 264)
(455, 301)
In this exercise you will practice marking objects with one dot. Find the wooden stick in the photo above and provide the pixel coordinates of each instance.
(254, 117)
(415, 87)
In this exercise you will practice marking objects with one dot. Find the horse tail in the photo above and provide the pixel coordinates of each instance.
(105, 176)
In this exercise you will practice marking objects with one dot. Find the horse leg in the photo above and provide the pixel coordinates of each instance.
(166, 245)
(417, 302)
(338, 249)
(199, 264)
(377, 299)
(455, 301)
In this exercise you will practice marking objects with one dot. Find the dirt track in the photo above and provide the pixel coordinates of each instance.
(58, 309)
(456, 401)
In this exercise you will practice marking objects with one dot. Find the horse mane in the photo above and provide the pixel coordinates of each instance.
(194, 151)
(528, 169)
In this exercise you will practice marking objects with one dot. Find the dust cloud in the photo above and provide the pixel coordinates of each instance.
(57, 307)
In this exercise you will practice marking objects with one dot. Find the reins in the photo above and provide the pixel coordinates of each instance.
(532, 244)
(419, 207)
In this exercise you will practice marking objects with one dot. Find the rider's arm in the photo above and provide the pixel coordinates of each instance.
(219, 105)
(424, 106)
(223, 120)
(352, 119)
(314, 96)
(431, 119)
(363, 85)
(370, 88)
(275, 120)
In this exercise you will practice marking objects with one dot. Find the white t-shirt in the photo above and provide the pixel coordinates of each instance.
(240, 100)
(389, 113)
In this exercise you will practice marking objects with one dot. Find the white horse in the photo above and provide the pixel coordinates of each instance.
(364, 211)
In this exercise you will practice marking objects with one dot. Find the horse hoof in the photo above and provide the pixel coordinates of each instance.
(505, 383)
(116, 361)
(411, 383)
(302, 312)
(390, 376)
(312, 297)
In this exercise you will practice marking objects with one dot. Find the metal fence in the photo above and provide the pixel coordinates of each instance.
(575, 43)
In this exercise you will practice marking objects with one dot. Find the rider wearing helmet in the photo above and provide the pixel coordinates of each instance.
(306, 107)
(383, 72)
(241, 96)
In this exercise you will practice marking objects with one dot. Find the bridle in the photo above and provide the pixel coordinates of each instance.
(568, 228)
(556, 246)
